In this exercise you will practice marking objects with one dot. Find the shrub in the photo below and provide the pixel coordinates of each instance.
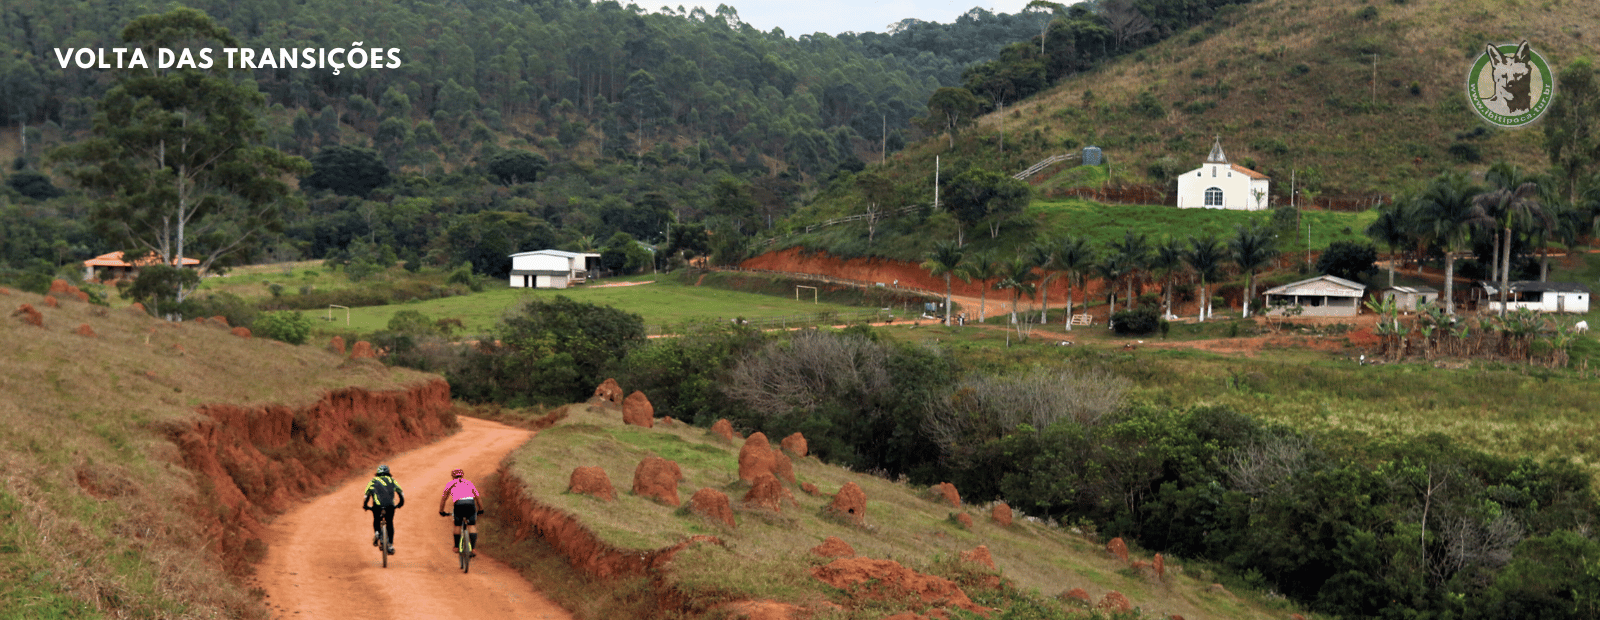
(1145, 320)
(284, 325)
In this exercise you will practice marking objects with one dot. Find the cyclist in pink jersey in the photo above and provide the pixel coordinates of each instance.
(467, 505)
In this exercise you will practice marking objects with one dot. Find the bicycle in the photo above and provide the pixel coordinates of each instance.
(383, 542)
(464, 544)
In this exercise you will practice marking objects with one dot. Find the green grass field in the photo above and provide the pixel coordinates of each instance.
(662, 301)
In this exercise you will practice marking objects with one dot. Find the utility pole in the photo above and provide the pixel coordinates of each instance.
(935, 182)
(1374, 79)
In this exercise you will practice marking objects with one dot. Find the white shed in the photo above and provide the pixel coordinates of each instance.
(1570, 297)
(551, 268)
(1319, 296)
(1409, 298)
(1217, 184)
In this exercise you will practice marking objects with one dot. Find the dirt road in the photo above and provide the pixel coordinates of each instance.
(321, 564)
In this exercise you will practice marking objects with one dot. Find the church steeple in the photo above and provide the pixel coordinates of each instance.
(1216, 156)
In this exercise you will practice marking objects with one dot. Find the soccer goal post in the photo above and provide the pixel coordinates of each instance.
(801, 286)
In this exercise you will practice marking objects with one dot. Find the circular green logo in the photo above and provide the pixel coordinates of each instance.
(1510, 85)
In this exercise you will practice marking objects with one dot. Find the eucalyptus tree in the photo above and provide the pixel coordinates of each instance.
(1253, 248)
(983, 267)
(944, 260)
(1073, 256)
(175, 159)
(1446, 210)
(1206, 256)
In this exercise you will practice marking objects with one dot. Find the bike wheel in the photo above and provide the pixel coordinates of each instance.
(466, 553)
(383, 545)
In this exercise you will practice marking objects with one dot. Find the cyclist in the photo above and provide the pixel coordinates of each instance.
(382, 491)
(468, 504)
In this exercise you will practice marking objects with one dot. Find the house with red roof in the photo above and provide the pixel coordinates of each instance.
(1217, 184)
(111, 267)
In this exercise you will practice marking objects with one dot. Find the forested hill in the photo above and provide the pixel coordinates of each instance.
(573, 79)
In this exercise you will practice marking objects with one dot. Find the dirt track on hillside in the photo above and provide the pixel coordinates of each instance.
(321, 564)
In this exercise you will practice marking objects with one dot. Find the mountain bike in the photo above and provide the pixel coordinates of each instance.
(464, 545)
(383, 541)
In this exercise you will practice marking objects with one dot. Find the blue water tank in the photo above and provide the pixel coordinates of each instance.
(1091, 156)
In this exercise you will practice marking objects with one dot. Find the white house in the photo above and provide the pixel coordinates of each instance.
(551, 268)
(1319, 296)
(1540, 296)
(1218, 184)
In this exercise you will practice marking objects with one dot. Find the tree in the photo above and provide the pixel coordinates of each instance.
(517, 166)
(944, 260)
(1112, 268)
(1389, 229)
(1348, 260)
(1043, 257)
(981, 266)
(554, 350)
(284, 325)
(347, 171)
(1073, 255)
(1134, 253)
(1206, 256)
(1017, 276)
(950, 109)
(979, 194)
(1572, 125)
(1510, 207)
(1253, 248)
(1445, 208)
(173, 157)
(1165, 262)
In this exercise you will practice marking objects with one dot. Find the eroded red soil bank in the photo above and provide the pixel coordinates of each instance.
(253, 462)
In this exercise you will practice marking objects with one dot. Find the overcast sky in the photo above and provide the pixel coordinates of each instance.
(798, 17)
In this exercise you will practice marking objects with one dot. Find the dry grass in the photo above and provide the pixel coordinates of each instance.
(1289, 84)
(767, 556)
(96, 505)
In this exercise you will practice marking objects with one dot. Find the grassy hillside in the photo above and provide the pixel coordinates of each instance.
(100, 517)
(1289, 86)
(767, 556)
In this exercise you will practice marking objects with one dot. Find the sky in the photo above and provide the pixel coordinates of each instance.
(799, 17)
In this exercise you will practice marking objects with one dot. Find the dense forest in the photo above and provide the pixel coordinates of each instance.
(509, 126)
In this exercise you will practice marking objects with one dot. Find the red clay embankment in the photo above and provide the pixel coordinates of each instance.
(257, 461)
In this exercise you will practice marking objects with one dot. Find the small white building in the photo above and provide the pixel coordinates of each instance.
(1319, 296)
(551, 268)
(1570, 297)
(1409, 298)
(1218, 184)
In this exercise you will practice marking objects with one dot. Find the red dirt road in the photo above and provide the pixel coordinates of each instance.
(321, 564)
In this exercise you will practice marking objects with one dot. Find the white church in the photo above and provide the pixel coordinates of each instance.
(1218, 184)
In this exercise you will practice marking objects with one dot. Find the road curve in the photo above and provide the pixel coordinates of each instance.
(320, 561)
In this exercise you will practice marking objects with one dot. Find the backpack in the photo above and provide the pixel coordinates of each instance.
(382, 490)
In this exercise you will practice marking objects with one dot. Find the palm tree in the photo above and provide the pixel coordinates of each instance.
(1043, 256)
(1112, 269)
(1073, 255)
(981, 266)
(1166, 262)
(1541, 210)
(1446, 209)
(1134, 251)
(944, 260)
(1206, 256)
(1253, 248)
(1391, 229)
(1017, 276)
(1506, 207)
